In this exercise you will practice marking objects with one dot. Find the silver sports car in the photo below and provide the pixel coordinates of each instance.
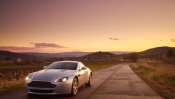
(62, 77)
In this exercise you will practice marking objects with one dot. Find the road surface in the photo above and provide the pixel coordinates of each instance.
(117, 82)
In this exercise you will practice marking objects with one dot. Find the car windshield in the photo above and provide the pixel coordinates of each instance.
(63, 65)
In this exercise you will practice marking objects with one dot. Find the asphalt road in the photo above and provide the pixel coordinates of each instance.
(117, 82)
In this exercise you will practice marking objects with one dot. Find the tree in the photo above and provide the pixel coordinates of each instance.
(133, 57)
(170, 54)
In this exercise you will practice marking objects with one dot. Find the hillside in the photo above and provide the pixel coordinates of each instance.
(100, 55)
(157, 51)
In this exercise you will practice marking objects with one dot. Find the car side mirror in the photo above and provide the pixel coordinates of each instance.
(45, 67)
(83, 68)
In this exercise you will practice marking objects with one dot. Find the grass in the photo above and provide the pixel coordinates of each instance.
(159, 76)
(97, 67)
(10, 86)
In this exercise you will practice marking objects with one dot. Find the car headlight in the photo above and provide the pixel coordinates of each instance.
(28, 79)
(63, 79)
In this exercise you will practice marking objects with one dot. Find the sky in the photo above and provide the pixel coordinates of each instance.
(55, 26)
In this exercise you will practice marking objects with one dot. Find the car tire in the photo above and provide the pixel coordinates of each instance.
(30, 95)
(90, 81)
(74, 89)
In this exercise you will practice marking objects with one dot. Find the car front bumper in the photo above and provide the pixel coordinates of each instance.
(61, 88)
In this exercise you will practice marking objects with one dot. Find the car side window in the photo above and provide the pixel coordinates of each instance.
(80, 66)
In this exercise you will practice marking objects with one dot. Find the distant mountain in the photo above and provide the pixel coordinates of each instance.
(8, 54)
(68, 54)
(156, 51)
(5, 54)
(65, 54)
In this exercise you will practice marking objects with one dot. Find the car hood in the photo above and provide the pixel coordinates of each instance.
(51, 74)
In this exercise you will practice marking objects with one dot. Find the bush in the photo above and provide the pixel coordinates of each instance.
(133, 57)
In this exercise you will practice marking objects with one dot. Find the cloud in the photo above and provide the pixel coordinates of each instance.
(113, 38)
(37, 47)
(172, 40)
(45, 45)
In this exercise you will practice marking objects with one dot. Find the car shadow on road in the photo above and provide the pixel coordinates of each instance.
(47, 96)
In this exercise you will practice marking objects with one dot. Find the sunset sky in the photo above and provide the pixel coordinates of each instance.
(86, 25)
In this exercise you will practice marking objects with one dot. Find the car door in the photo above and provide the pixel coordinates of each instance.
(82, 74)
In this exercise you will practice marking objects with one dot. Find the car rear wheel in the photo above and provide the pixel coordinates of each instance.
(74, 87)
(90, 81)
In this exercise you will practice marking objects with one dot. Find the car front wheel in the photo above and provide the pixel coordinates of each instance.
(74, 87)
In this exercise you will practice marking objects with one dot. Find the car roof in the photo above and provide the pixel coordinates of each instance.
(69, 61)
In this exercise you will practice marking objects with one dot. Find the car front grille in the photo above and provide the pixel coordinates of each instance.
(41, 84)
(41, 91)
